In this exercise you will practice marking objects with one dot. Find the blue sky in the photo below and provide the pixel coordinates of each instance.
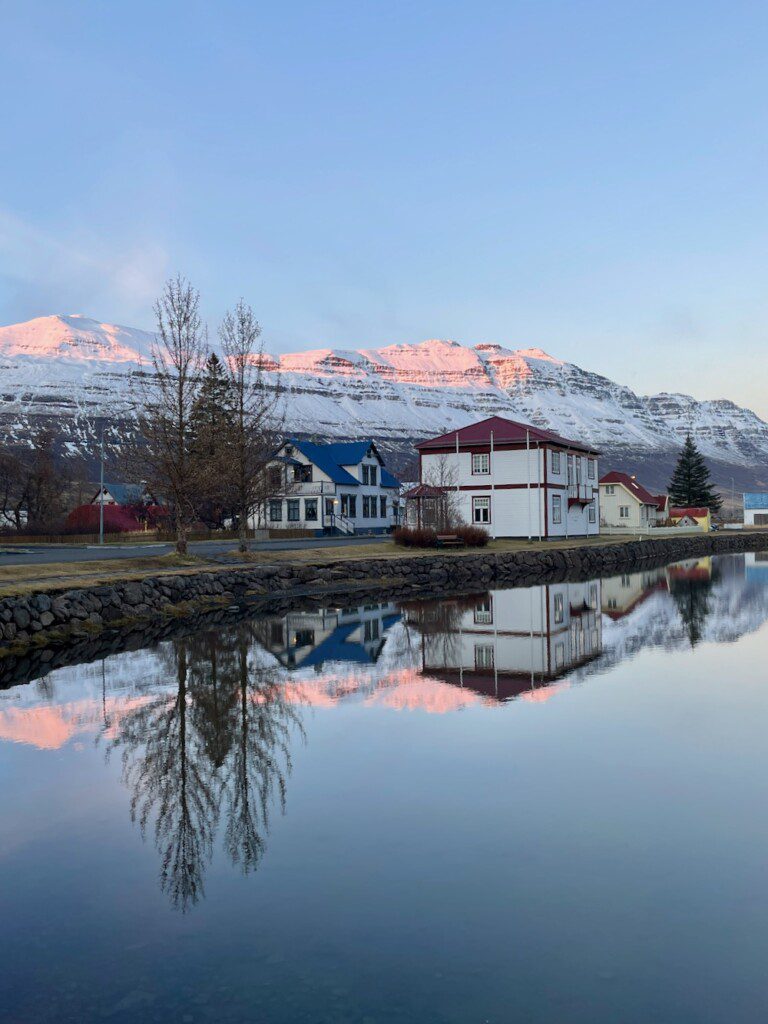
(585, 177)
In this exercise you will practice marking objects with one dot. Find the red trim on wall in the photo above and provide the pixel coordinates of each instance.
(546, 503)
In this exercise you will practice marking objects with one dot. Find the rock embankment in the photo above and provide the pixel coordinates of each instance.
(78, 612)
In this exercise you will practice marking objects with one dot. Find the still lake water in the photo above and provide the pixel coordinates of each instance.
(540, 805)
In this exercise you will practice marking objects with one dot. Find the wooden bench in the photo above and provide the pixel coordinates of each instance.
(449, 540)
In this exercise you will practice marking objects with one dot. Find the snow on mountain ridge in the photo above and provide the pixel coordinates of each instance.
(75, 368)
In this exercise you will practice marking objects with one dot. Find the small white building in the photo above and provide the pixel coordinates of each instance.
(626, 503)
(756, 508)
(337, 488)
(515, 480)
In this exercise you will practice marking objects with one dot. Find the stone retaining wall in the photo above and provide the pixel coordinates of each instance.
(86, 611)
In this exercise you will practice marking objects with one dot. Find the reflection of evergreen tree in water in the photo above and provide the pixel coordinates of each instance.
(692, 597)
(222, 734)
(213, 687)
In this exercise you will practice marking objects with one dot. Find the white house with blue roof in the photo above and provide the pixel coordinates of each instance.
(335, 488)
(756, 508)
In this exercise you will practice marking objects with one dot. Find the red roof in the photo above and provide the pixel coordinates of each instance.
(695, 513)
(504, 431)
(634, 488)
(425, 491)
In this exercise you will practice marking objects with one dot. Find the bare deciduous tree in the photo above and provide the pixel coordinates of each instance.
(256, 412)
(166, 399)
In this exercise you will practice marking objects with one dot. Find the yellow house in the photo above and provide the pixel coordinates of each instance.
(698, 517)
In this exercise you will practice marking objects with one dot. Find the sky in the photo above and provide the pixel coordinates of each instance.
(585, 177)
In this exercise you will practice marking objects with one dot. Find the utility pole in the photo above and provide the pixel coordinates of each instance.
(101, 491)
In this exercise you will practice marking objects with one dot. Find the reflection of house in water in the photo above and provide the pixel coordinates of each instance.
(305, 639)
(509, 642)
(622, 594)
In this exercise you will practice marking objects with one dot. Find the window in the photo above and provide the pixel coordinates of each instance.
(481, 510)
(592, 512)
(555, 462)
(623, 511)
(329, 506)
(293, 510)
(593, 596)
(559, 608)
(591, 469)
(484, 656)
(372, 475)
(275, 478)
(365, 474)
(345, 504)
(559, 655)
(371, 629)
(276, 511)
(481, 463)
(302, 474)
(310, 509)
(610, 488)
(353, 506)
(611, 603)
(383, 508)
(557, 508)
(304, 638)
(366, 507)
(276, 634)
(484, 612)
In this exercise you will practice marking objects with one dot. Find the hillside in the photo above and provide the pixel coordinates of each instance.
(75, 372)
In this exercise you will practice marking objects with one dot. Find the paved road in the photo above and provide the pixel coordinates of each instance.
(10, 555)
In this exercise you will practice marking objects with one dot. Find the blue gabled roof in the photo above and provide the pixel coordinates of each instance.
(124, 494)
(756, 499)
(332, 458)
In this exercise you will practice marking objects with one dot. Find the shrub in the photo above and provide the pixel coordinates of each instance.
(473, 536)
(410, 538)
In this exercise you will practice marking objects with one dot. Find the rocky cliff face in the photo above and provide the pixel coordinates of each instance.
(76, 372)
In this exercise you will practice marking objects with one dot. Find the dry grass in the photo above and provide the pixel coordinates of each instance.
(22, 579)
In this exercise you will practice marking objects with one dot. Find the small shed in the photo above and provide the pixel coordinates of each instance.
(691, 517)
(425, 506)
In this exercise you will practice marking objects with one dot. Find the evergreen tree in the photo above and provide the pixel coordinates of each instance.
(690, 486)
(211, 425)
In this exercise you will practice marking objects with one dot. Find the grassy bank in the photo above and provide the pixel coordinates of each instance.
(21, 579)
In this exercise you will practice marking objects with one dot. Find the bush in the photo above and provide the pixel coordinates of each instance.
(410, 538)
(473, 536)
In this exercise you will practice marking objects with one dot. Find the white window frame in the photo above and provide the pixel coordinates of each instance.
(557, 509)
(480, 505)
(591, 469)
(275, 506)
(480, 460)
(555, 462)
(485, 656)
(623, 511)
(293, 505)
(592, 511)
(558, 609)
(307, 503)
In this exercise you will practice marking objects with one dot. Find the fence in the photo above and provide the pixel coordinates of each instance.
(648, 531)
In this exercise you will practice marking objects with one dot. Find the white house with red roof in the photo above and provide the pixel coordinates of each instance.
(515, 479)
(625, 502)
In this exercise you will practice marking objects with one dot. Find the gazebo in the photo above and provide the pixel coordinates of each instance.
(425, 505)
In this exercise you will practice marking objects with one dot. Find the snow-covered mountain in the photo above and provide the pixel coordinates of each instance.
(76, 370)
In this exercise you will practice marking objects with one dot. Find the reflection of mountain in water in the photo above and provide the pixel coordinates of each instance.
(709, 600)
(203, 725)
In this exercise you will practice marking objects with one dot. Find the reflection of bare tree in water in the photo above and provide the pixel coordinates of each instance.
(438, 625)
(221, 740)
(255, 776)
